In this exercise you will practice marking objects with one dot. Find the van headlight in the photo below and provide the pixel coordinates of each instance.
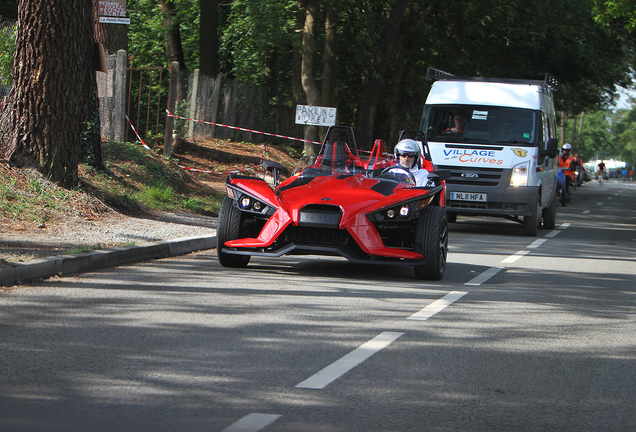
(519, 175)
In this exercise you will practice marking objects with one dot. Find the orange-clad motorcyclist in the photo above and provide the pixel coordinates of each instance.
(566, 162)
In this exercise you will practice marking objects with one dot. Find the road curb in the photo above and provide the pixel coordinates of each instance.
(72, 264)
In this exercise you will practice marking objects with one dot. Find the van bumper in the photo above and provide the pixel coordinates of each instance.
(512, 201)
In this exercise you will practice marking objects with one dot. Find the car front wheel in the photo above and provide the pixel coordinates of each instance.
(431, 240)
(229, 229)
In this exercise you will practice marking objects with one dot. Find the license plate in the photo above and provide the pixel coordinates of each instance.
(468, 196)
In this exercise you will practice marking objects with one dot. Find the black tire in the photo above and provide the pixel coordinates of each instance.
(561, 195)
(549, 214)
(431, 240)
(229, 228)
(531, 222)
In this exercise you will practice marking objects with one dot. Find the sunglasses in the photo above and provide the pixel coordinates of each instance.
(411, 155)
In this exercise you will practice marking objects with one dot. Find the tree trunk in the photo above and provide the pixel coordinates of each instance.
(373, 90)
(174, 49)
(329, 75)
(564, 121)
(209, 37)
(54, 87)
(307, 70)
(580, 133)
(174, 53)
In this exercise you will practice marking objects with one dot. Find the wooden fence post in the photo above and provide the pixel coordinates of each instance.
(218, 83)
(193, 104)
(119, 122)
(172, 101)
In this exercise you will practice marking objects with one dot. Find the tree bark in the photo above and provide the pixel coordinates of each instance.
(373, 90)
(307, 70)
(329, 74)
(174, 48)
(54, 87)
(209, 37)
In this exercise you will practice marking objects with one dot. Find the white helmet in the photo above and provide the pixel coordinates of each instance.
(408, 147)
(566, 146)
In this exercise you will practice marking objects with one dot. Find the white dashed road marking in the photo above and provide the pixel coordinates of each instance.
(535, 244)
(484, 276)
(252, 423)
(515, 256)
(340, 367)
(437, 306)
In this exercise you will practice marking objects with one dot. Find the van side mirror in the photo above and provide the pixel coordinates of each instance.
(552, 150)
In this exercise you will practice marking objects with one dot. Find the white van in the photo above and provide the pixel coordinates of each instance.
(502, 157)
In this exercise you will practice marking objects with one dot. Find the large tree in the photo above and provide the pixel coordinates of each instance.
(209, 37)
(54, 88)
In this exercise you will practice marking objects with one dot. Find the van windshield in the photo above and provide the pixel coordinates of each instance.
(481, 124)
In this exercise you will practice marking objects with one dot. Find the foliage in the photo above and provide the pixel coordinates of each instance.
(146, 29)
(622, 12)
(625, 136)
(259, 38)
(597, 140)
(8, 31)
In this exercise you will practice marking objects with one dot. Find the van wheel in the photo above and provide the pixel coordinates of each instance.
(549, 214)
(531, 223)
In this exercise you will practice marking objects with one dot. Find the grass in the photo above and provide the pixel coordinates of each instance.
(135, 180)
(30, 198)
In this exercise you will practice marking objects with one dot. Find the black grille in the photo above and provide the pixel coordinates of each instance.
(487, 176)
(469, 205)
(320, 236)
(470, 183)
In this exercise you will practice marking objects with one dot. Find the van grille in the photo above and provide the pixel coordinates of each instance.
(488, 177)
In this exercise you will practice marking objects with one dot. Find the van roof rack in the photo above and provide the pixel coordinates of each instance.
(549, 82)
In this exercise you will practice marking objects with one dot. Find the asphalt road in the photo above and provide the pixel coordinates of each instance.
(522, 334)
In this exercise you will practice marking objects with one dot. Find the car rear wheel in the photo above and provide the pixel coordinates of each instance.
(229, 229)
(431, 240)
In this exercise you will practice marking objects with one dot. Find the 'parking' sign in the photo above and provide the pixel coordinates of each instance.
(315, 116)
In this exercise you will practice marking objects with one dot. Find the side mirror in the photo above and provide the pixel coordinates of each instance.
(274, 168)
(552, 150)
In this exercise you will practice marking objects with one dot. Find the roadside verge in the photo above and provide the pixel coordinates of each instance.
(64, 265)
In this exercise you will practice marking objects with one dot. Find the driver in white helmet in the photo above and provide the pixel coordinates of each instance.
(408, 155)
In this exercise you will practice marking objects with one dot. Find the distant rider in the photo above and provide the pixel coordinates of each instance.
(408, 155)
(566, 161)
(600, 170)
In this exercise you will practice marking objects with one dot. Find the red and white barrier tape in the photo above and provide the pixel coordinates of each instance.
(241, 129)
(135, 131)
(230, 172)
(198, 170)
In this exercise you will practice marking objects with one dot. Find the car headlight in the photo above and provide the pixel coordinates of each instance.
(520, 174)
(248, 203)
(399, 212)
